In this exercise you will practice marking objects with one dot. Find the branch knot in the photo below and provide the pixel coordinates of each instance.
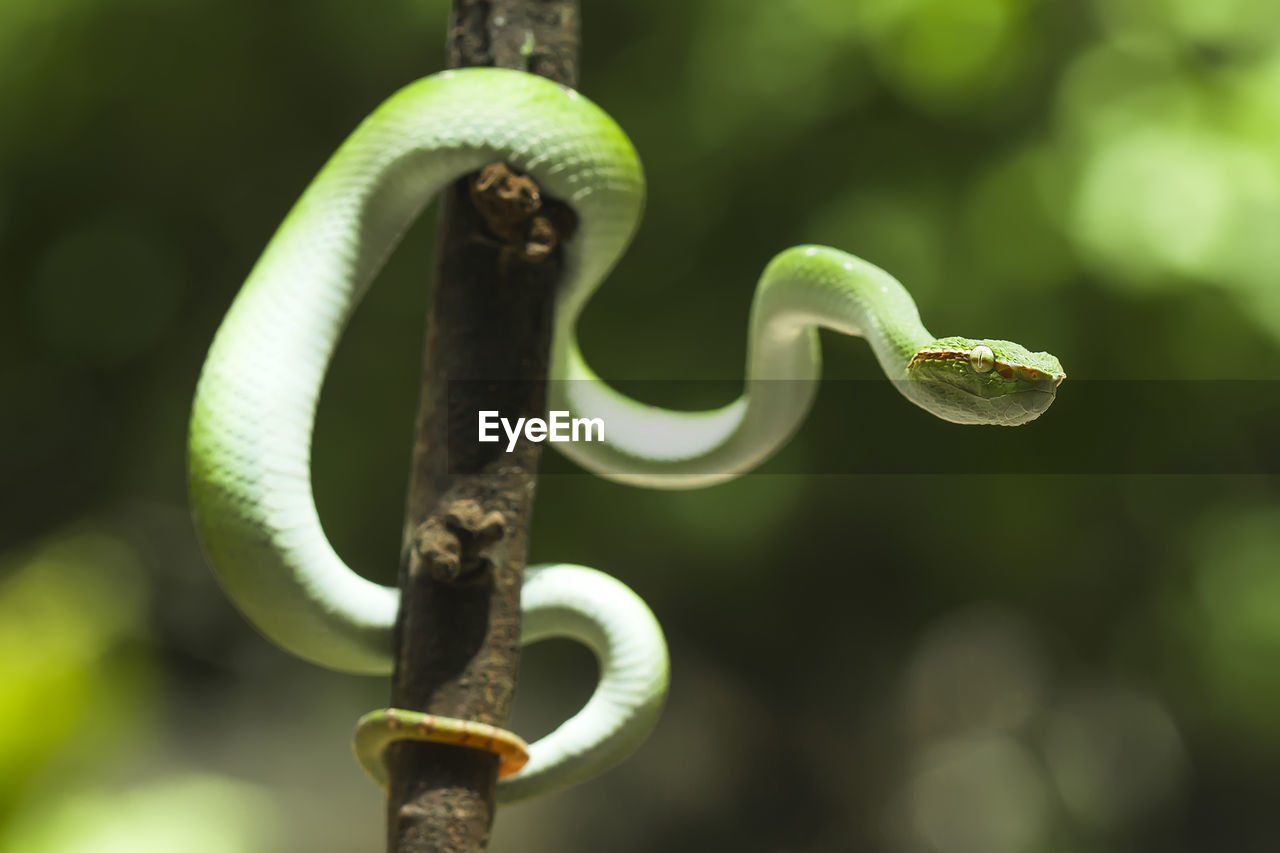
(456, 548)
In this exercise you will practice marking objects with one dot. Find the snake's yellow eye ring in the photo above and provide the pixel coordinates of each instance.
(982, 359)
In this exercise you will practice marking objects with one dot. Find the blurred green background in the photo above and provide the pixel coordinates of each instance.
(1085, 663)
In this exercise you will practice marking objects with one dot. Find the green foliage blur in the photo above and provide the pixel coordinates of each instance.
(1081, 662)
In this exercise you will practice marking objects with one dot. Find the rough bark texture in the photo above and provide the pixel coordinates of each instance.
(469, 504)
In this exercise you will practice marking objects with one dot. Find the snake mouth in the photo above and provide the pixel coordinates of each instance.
(1047, 387)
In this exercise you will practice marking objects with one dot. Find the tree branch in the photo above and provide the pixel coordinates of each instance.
(469, 504)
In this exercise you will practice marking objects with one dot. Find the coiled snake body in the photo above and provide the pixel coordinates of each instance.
(255, 403)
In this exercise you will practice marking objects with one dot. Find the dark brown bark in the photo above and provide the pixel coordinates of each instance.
(469, 504)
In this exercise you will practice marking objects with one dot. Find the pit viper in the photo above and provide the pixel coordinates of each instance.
(250, 435)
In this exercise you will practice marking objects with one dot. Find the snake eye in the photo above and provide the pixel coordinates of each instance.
(982, 359)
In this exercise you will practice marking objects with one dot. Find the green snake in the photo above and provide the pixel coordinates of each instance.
(255, 403)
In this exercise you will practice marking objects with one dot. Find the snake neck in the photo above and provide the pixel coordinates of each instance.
(806, 288)
(802, 290)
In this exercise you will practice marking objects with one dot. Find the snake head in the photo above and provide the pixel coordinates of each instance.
(970, 381)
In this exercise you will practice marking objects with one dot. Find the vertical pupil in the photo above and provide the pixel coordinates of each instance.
(982, 359)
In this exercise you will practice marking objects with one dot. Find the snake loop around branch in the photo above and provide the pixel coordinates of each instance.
(250, 440)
